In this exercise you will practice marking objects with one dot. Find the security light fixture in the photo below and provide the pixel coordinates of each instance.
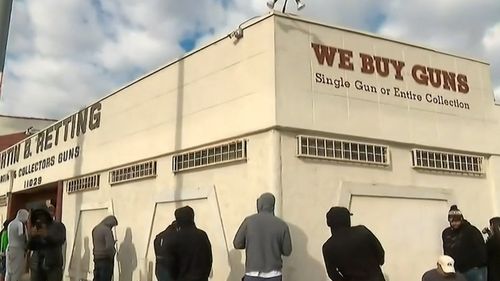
(238, 33)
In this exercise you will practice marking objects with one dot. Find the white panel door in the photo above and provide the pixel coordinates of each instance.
(409, 230)
(81, 264)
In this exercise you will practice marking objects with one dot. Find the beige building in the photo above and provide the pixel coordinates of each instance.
(318, 115)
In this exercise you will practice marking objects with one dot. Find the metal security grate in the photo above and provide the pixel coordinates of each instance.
(83, 184)
(444, 161)
(333, 149)
(3, 200)
(224, 153)
(133, 172)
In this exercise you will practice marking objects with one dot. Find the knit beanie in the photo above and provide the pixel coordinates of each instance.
(455, 214)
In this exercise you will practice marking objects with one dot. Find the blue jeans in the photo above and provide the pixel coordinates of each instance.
(476, 274)
(103, 269)
(162, 273)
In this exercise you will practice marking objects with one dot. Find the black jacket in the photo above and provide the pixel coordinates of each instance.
(47, 251)
(160, 243)
(493, 247)
(466, 246)
(352, 253)
(190, 249)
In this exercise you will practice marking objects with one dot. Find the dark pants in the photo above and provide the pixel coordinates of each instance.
(476, 274)
(162, 273)
(51, 274)
(251, 278)
(103, 269)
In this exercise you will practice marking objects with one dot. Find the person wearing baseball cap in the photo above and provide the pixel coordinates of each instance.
(445, 271)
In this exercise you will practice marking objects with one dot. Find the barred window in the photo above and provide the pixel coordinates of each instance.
(133, 172)
(445, 161)
(224, 153)
(333, 149)
(3, 200)
(83, 184)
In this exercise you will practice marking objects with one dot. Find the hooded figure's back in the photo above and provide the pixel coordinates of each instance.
(103, 239)
(190, 249)
(352, 252)
(265, 238)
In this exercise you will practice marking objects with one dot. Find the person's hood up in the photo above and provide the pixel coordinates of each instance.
(265, 203)
(338, 217)
(110, 221)
(184, 216)
(22, 215)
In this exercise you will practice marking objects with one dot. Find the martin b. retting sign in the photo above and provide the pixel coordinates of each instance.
(44, 142)
(444, 87)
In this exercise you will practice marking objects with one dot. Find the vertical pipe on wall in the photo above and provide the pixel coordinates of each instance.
(277, 188)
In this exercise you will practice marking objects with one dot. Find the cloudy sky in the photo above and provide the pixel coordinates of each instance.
(62, 55)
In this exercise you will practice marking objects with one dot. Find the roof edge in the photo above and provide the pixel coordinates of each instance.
(378, 36)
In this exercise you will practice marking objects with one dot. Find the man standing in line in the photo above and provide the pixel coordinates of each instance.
(164, 262)
(46, 242)
(16, 250)
(189, 248)
(465, 244)
(445, 271)
(104, 249)
(266, 239)
(351, 253)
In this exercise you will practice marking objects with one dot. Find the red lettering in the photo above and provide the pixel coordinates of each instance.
(366, 63)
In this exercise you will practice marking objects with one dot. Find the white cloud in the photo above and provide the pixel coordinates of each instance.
(65, 54)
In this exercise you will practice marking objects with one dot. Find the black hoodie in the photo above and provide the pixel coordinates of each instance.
(465, 245)
(189, 248)
(493, 247)
(47, 250)
(351, 253)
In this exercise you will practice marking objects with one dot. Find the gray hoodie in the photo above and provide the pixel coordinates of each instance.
(16, 230)
(265, 237)
(103, 239)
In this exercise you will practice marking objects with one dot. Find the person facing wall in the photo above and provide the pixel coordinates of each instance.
(464, 243)
(189, 249)
(164, 261)
(351, 253)
(104, 249)
(266, 239)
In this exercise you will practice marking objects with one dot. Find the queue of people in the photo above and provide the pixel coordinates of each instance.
(183, 251)
(40, 246)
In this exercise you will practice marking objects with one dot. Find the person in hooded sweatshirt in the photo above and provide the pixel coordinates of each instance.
(266, 239)
(464, 243)
(164, 262)
(352, 253)
(16, 250)
(188, 249)
(493, 248)
(104, 249)
(46, 241)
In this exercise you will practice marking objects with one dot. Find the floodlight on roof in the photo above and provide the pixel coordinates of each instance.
(271, 3)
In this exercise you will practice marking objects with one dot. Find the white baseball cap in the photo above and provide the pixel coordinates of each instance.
(447, 264)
